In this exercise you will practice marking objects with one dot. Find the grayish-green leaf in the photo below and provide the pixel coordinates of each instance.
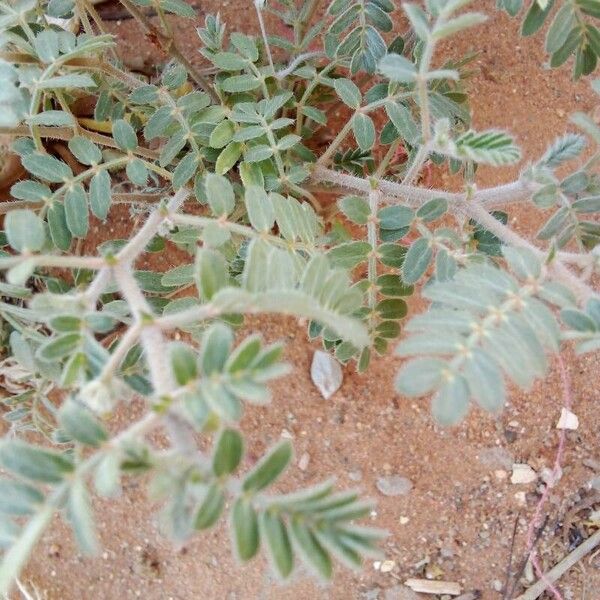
(269, 468)
(417, 260)
(24, 230)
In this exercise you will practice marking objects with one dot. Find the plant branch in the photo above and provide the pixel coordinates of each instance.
(243, 230)
(473, 207)
(416, 196)
(477, 212)
(49, 260)
(135, 245)
(167, 43)
(372, 238)
(537, 589)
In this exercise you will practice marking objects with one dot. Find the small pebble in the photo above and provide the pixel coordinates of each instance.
(326, 373)
(387, 566)
(394, 485)
(567, 420)
(401, 592)
(522, 473)
(303, 462)
(521, 498)
(355, 475)
(495, 457)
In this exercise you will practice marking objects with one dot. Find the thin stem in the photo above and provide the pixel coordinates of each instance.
(473, 208)
(385, 162)
(308, 10)
(263, 32)
(309, 90)
(537, 589)
(417, 164)
(44, 260)
(416, 196)
(423, 99)
(168, 44)
(243, 230)
(283, 73)
(125, 343)
(372, 238)
(135, 246)
(510, 237)
(83, 17)
(339, 138)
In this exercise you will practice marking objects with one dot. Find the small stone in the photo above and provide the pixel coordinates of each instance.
(372, 594)
(522, 474)
(521, 498)
(497, 585)
(355, 475)
(496, 457)
(394, 485)
(404, 520)
(387, 566)
(303, 462)
(400, 592)
(568, 420)
(326, 373)
(286, 435)
(500, 474)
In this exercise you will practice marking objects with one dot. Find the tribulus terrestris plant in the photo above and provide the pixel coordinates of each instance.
(225, 164)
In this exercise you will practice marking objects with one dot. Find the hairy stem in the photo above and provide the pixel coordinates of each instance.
(372, 238)
(66, 133)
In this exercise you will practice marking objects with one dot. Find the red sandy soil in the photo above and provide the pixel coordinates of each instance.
(457, 522)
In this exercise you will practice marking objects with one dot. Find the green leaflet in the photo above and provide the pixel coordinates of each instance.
(260, 208)
(275, 534)
(76, 211)
(33, 462)
(210, 508)
(228, 452)
(417, 260)
(420, 376)
(79, 513)
(356, 209)
(80, 424)
(211, 273)
(100, 194)
(348, 92)
(364, 131)
(244, 521)
(24, 230)
(219, 193)
(451, 403)
(313, 553)
(124, 135)
(184, 362)
(269, 468)
(47, 167)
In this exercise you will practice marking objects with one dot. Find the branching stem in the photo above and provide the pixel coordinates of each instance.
(168, 44)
